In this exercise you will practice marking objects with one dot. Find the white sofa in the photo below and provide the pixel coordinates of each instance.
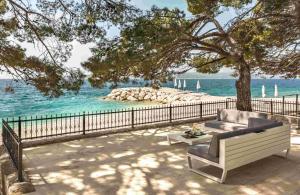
(229, 150)
(231, 120)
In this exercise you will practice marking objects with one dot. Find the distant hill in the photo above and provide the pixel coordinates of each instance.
(195, 75)
(225, 74)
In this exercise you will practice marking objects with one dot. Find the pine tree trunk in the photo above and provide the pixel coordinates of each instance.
(243, 87)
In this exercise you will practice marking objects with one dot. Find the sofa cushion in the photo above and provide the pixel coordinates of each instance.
(244, 116)
(201, 150)
(236, 116)
(227, 115)
(226, 126)
(272, 125)
(259, 122)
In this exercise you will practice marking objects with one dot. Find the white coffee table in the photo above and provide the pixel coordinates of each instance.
(177, 137)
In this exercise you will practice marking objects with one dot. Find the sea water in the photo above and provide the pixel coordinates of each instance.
(27, 101)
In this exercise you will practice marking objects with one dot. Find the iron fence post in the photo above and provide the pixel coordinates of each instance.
(20, 153)
(3, 136)
(226, 103)
(83, 123)
(20, 162)
(170, 113)
(297, 99)
(201, 110)
(132, 118)
(272, 107)
(283, 102)
(19, 129)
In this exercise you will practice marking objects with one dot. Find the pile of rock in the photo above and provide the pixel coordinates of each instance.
(163, 95)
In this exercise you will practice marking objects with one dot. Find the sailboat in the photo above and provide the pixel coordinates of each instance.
(263, 91)
(198, 85)
(275, 91)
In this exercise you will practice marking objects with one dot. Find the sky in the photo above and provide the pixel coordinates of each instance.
(81, 53)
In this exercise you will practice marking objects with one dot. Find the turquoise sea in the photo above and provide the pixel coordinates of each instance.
(28, 101)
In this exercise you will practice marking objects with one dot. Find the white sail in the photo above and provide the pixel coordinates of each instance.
(184, 84)
(179, 84)
(175, 83)
(198, 85)
(263, 91)
(275, 91)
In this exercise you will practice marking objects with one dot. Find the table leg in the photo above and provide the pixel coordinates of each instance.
(169, 140)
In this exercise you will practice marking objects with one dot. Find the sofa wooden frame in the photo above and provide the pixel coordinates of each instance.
(241, 150)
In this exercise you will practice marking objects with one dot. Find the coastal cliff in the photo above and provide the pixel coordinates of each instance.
(162, 95)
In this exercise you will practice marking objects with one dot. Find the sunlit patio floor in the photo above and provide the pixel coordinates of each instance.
(142, 162)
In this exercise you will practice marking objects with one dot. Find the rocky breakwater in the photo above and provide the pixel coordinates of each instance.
(163, 95)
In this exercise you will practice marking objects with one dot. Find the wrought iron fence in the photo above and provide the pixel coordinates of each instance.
(13, 145)
(286, 107)
(31, 128)
(65, 124)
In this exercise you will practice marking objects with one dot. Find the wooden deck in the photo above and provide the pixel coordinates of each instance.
(142, 162)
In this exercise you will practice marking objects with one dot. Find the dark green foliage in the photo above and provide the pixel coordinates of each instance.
(139, 50)
(263, 37)
(51, 26)
(163, 42)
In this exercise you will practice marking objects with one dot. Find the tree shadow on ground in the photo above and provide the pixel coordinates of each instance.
(142, 162)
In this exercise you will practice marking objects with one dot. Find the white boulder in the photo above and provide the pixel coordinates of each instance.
(130, 98)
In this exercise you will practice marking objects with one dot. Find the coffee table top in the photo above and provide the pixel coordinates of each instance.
(191, 141)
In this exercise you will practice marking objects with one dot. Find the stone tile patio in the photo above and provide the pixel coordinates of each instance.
(142, 162)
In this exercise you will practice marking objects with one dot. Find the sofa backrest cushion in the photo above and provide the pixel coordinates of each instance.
(228, 115)
(244, 116)
(260, 122)
(236, 116)
(215, 141)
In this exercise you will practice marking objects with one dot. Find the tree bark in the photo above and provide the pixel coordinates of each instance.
(243, 88)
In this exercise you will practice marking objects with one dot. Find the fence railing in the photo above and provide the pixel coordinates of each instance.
(15, 131)
(13, 145)
(66, 124)
(277, 107)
